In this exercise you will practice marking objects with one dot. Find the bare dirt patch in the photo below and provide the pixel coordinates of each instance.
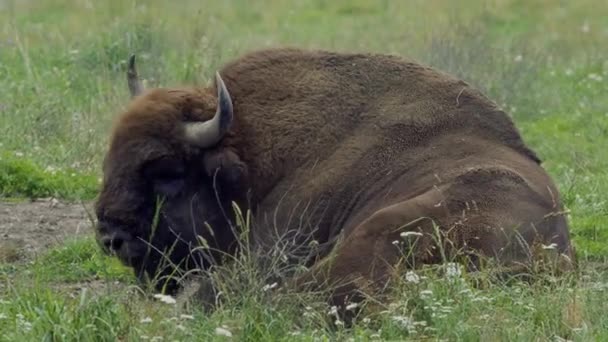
(30, 227)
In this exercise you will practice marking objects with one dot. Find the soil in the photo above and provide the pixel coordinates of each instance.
(27, 228)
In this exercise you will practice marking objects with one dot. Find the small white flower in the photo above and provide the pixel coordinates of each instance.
(269, 287)
(223, 332)
(412, 277)
(352, 306)
(19, 154)
(551, 246)
(295, 333)
(182, 316)
(339, 323)
(3, 316)
(333, 311)
(452, 270)
(366, 320)
(180, 327)
(585, 28)
(404, 322)
(420, 323)
(146, 320)
(466, 292)
(396, 243)
(569, 72)
(426, 293)
(407, 234)
(165, 299)
(518, 58)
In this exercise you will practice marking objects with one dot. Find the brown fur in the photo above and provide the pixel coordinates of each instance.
(353, 146)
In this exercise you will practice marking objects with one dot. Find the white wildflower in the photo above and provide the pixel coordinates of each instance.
(352, 306)
(595, 77)
(180, 327)
(295, 333)
(407, 234)
(366, 320)
(412, 277)
(223, 332)
(396, 243)
(585, 28)
(426, 293)
(551, 246)
(420, 323)
(404, 322)
(333, 311)
(269, 287)
(146, 320)
(452, 270)
(569, 72)
(445, 309)
(18, 154)
(518, 58)
(74, 52)
(182, 316)
(466, 292)
(165, 299)
(339, 323)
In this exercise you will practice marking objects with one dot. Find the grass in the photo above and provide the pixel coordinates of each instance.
(62, 71)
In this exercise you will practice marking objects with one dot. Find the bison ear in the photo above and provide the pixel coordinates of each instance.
(135, 85)
(230, 170)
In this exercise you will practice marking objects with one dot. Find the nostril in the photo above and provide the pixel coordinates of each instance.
(112, 243)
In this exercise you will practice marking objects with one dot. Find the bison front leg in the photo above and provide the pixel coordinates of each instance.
(365, 261)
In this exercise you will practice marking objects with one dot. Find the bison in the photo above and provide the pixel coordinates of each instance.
(354, 151)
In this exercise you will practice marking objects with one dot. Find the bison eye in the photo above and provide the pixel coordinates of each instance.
(166, 176)
(168, 186)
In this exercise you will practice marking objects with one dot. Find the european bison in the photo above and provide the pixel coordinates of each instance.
(351, 150)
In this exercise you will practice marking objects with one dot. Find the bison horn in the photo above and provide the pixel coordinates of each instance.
(135, 86)
(208, 133)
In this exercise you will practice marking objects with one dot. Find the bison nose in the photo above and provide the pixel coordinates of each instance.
(112, 243)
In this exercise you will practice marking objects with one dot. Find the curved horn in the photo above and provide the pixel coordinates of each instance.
(135, 86)
(208, 133)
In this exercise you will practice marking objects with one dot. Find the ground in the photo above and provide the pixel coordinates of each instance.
(28, 227)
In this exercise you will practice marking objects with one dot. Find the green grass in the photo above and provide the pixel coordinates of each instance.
(21, 177)
(62, 71)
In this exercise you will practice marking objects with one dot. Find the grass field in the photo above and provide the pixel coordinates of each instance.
(62, 81)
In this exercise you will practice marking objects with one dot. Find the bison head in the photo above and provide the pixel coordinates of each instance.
(169, 180)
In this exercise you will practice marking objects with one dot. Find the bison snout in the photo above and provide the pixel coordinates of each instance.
(115, 241)
(112, 243)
